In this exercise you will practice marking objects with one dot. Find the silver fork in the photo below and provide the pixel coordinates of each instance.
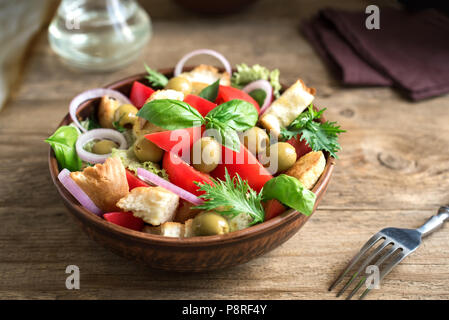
(402, 242)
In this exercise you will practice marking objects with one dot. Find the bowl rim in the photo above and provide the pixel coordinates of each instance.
(253, 231)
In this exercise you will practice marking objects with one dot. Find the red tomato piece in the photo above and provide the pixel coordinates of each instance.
(133, 181)
(182, 174)
(202, 105)
(301, 147)
(178, 141)
(273, 208)
(226, 94)
(139, 94)
(125, 219)
(245, 164)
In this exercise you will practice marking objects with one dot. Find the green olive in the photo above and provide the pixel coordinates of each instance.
(104, 146)
(205, 154)
(255, 140)
(145, 150)
(142, 127)
(125, 115)
(180, 84)
(209, 223)
(283, 152)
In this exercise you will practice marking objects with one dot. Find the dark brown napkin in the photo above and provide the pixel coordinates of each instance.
(409, 51)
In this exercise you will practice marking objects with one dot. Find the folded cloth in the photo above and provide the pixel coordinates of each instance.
(409, 51)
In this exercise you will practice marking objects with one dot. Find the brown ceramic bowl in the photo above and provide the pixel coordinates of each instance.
(189, 254)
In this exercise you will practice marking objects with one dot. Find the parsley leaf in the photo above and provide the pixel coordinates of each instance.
(156, 79)
(319, 136)
(232, 197)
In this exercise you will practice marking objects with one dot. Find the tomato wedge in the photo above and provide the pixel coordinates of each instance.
(125, 219)
(226, 94)
(182, 174)
(139, 94)
(273, 208)
(178, 141)
(133, 181)
(245, 164)
(301, 147)
(202, 105)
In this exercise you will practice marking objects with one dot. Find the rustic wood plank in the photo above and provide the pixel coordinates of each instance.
(393, 171)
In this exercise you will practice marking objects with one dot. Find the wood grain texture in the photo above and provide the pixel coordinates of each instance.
(393, 171)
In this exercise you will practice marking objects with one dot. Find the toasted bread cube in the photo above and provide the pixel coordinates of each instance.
(188, 230)
(287, 107)
(104, 183)
(166, 94)
(152, 229)
(155, 205)
(172, 229)
(308, 168)
(207, 74)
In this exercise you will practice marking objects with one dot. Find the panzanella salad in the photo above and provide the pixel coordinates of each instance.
(200, 153)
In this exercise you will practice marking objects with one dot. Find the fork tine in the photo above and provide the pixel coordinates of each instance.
(363, 266)
(388, 268)
(373, 240)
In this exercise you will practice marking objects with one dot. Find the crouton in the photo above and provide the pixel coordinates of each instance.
(106, 111)
(207, 74)
(287, 107)
(172, 229)
(155, 205)
(166, 94)
(104, 183)
(308, 168)
(239, 222)
(152, 229)
(188, 230)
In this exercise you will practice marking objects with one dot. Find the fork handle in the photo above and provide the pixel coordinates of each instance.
(435, 222)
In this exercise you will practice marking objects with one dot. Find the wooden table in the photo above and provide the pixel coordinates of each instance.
(393, 171)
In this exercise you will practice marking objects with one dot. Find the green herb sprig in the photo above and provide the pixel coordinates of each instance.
(319, 136)
(155, 78)
(232, 197)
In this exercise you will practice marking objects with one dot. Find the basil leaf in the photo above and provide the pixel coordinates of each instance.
(63, 143)
(171, 114)
(259, 95)
(210, 92)
(238, 114)
(291, 192)
(229, 137)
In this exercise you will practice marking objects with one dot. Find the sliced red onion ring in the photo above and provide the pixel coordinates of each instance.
(265, 86)
(150, 177)
(219, 56)
(77, 192)
(91, 94)
(90, 135)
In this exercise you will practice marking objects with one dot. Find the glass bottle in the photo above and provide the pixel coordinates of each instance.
(99, 35)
